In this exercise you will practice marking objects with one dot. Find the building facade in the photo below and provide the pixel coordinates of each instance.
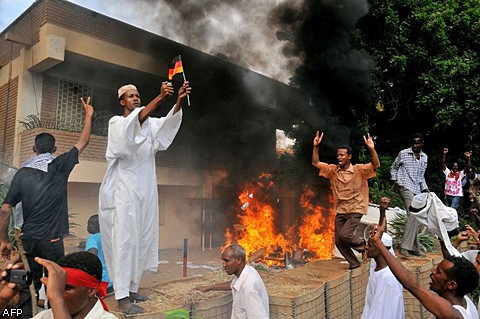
(57, 52)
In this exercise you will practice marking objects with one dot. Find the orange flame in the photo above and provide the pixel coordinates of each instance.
(256, 229)
(316, 231)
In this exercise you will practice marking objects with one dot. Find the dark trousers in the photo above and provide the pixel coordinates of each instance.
(43, 249)
(345, 238)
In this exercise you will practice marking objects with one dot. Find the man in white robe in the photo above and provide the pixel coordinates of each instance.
(128, 198)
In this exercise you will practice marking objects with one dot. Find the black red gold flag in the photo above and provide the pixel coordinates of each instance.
(175, 67)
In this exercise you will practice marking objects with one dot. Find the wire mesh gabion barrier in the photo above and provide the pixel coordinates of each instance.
(342, 297)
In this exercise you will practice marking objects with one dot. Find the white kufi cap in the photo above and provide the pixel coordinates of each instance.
(387, 240)
(125, 88)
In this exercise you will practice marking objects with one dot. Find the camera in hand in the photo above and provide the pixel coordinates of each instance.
(19, 276)
(463, 228)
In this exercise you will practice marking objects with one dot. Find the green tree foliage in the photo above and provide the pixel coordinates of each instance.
(427, 71)
(423, 66)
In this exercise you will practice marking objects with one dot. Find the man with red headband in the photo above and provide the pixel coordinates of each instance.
(74, 287)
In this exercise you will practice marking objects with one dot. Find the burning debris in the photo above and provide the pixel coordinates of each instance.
(310, 239)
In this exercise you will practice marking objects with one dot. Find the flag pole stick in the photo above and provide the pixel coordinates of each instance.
(184, 78)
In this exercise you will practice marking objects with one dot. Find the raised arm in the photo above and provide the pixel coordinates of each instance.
(316, 142)
(55, 283)
(467, 167)
(444, 249)
(87, 126)
(444, 158)
(166, 90)
(373, 153)
(437, 305)
(182, 94)
(384, 202)
(461, 237)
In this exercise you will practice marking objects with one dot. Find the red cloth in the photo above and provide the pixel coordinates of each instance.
(79, 278)
(456, 175)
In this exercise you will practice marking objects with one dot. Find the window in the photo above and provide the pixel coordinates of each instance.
(70, 112)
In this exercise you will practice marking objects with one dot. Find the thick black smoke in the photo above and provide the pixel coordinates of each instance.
(334, 74)
(305, 43)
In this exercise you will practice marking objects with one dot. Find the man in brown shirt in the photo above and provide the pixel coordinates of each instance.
(349, 185)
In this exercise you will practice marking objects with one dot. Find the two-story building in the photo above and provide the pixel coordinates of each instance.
(57, 52)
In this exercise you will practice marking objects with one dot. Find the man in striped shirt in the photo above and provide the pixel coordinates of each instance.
(408, 174)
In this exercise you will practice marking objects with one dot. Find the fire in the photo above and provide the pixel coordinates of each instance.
(257, 231)
(316, 231)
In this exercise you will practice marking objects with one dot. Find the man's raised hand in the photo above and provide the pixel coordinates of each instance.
(384, 202)
(87, 107)
(368, 141)
(318, 139)
(166, 90)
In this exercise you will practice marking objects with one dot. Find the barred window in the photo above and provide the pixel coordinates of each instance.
(70, 113)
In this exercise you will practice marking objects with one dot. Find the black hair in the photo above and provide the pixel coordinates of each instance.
(417, 135)
(464, 273)
(84, 261)
(45, 143)
(93, 225)
(345, 147)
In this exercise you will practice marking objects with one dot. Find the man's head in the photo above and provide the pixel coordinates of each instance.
(44, 143)
(454, 275)
(417, 142)
(129, 97)
(455, 167)
(77, 296)
(344, 155)
(234, 258)
(373, 252)
(93, 226)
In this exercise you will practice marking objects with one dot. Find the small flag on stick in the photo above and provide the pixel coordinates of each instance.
(176, 67)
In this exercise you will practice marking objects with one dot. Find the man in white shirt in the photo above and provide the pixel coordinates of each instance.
(451, 280)
(472, 255)
(384, 295)
(250, 298)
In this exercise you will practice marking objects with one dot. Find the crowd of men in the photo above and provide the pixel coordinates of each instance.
(124, 234)
(452, 281)
(128, 222)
